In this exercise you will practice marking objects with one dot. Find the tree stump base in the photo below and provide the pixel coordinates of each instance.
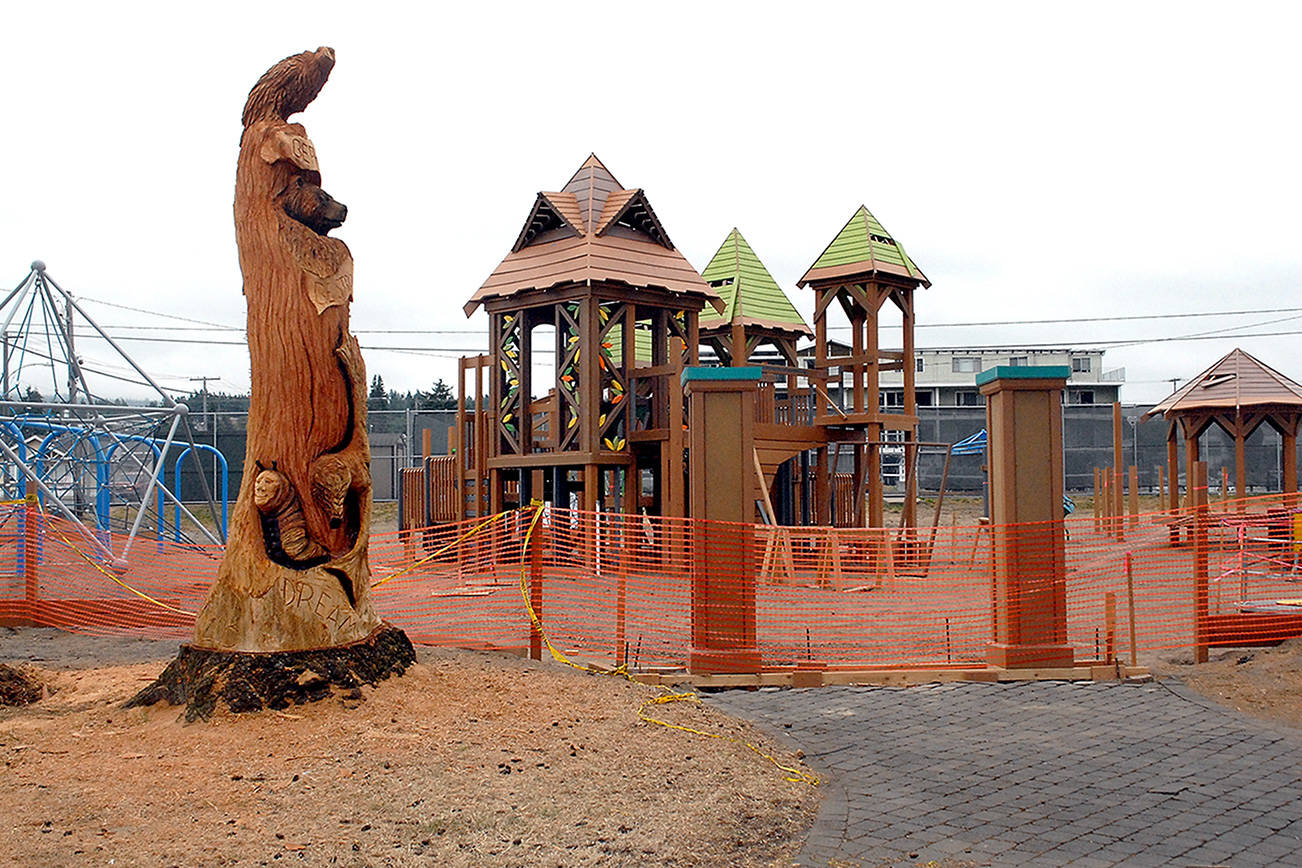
(244, 681)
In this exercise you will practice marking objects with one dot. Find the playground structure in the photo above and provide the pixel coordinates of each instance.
(593, 317)
(97, 464)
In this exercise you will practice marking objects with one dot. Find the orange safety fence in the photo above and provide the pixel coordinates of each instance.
(618, 589)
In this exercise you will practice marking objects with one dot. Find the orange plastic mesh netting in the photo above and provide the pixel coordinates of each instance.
(620, 588)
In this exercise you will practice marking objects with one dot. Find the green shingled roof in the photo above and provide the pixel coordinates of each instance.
(750, 293)
(864, 246)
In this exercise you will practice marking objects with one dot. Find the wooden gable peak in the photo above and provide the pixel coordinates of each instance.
(549, 212)
(631, 210)
(591, 186)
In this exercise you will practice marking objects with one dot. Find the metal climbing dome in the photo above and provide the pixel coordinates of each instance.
(101, 464)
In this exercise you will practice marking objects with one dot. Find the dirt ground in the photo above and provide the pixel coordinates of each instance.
(1260, 682)
(468, 759)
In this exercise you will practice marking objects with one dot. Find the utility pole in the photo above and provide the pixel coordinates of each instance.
(204, 392)
(212, 431)
(72, 355)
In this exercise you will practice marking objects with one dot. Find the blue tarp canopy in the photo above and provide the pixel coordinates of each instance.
(974, 444)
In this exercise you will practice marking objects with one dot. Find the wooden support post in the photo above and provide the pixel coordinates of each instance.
(822, 488)
(591, 487)
(627, 529)
(1173, 481)
(1288, 465)
(1109, 626)
(536, 542)
(764, 489)
(1098, 506)
(859, 488)
(1118, 471)
(888, 545)
(1198, 497)
(673, 487)
(1134, 497)
(1109, 483)
(1130, 594)
(909, 516)
(1241, 467)
(482, 501)
(739, 355)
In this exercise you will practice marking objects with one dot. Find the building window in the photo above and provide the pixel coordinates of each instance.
(967, 398)
(1019, 361)
(924, 398)
(1085, 396)
(967, 364)
(917, 364)
(1080, 364)
(892, 399)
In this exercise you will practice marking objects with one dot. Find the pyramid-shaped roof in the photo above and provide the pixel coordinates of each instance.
(1237, 380)
(864, 247)
(750, 294)
(593, 229)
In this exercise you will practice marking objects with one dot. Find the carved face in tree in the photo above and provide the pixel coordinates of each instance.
(270, 490)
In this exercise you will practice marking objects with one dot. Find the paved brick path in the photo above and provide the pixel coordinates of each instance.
(1049, 773)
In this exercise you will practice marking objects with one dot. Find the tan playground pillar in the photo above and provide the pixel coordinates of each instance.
(1024, 418)
(722, 490)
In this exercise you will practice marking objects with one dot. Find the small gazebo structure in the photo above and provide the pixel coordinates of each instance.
(1239, 393)
(756, 311)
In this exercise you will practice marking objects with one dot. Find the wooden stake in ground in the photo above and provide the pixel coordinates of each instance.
(295, 576)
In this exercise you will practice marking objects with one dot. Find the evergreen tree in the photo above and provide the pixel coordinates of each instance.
(440, 397)
(379, 397)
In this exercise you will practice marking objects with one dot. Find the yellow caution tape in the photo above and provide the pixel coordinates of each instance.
(793, 775)
(87, 558)
(465, 536)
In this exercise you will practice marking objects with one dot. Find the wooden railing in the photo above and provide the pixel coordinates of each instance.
(790, 396)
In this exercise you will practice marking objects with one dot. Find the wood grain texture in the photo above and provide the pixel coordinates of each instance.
(295, 574)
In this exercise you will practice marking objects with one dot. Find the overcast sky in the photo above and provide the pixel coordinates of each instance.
(1037, 161)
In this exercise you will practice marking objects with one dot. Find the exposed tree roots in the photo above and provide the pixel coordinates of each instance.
(200, 678)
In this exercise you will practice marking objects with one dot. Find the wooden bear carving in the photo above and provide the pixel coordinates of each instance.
(295, 574)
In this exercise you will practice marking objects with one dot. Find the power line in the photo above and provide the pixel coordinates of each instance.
(154, 312)
(1079, 319)
(973, 324)
(1017, 345)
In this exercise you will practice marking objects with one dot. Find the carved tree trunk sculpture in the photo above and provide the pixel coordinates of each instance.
(295, 576)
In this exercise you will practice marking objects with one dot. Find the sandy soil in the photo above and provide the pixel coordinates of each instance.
(1261, 682)
(469, 759)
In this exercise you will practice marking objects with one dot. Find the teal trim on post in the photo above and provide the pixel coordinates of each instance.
(703, 372)
(1022, 372)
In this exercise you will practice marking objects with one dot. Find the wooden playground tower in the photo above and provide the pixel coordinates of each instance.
(593, 316)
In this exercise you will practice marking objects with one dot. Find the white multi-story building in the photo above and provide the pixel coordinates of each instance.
(947, 378)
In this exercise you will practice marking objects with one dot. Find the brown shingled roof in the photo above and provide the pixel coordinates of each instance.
(593, 230)
(1237, 380)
